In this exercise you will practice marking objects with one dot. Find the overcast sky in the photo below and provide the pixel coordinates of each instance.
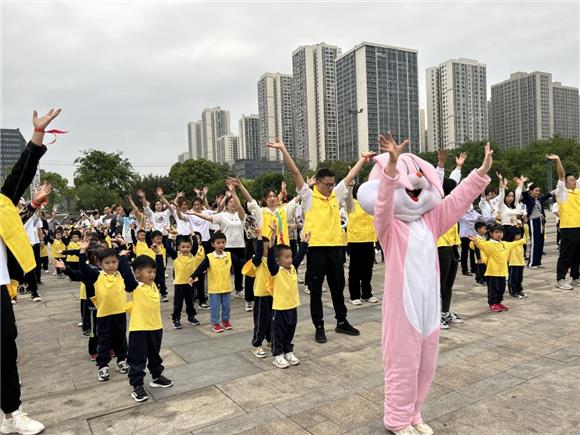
(129, 77)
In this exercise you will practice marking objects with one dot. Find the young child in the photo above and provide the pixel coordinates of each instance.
(44, 256)
(57, 248)
(257, 268)
(199, 285)
(285, 300)
(184, 263)
(72, 261)
(219, 284)
(516, 266)
(111, 302)
(497, 252)
(157, 244)
(480, 259)
(145, 325)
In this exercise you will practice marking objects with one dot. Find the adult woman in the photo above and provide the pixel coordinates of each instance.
(158, 218)
(506, 209)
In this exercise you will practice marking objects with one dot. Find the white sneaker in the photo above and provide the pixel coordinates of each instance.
(562, 284)
(409, 430)
(123, 367)
(356, 302)
(423, 429)
(371, 300)
(575, 283)
(452, 317)
(259, 352)
(306, 290)
(21, 424)
(239, 294)
(280, 362)
(103, 374)
(291, 358)
(37, 299)
(324, 289)
(80, 324)
(444, 324)
(249, 306)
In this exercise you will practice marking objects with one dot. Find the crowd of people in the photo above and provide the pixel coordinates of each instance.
(213, 248)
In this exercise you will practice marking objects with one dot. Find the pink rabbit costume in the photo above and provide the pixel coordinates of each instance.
(410, 214)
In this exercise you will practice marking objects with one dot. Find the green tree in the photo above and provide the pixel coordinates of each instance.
(197, 173)
(92, 196)
(109, 171)
(60, 189)
(148, 183)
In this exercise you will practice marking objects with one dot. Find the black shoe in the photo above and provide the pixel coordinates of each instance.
(522, 294)
(320, 336)
(346, 328)
(177, 324)
(87, 333)
(193, 321)
(467, 273)
(164, 298)
(139, 394)
(161, 382)
(516, 295)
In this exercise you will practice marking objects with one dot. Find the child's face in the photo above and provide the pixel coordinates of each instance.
(141, 237)
(284, 259)
(58, 236)
(110, 265)
(145, 275)
(219, 245)
(158, 240)
(497, 235)
(184, 248)
(481, 231)
(517, 237)
(75, 238)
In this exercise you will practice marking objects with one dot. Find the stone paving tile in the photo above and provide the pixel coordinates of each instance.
(74, 427)
(282, 426)
(242, 423)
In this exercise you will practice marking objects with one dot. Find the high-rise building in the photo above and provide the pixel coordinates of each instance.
(275, 113)
(215, 123)
(377, 91)
(456, 103)
(422, 131)
(194, 139)
(249, 131)
(183, 157)
(12, 143)
(521, 109)
(565, 109)
(314, 102)
(228, 149)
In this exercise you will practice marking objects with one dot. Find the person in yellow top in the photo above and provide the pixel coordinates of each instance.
(143, 245)
(480, 258)
(568, 196)
(218, 265)
(57, 248)
(145, 325)
(361, 238)
(497, 252)
(72, 260)
(516, 264)
(44, 256)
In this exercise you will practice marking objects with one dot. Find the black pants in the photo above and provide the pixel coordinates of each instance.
(294, 247)
(85, 315)
(144, 347)
(9, 379)
(509, 233)
(283, 329)
(248, 280)
(111, 335)
(238, 277)
(32, 282)
(93, 340)
(465, 253)
(326, 261)
(480, 272)
(262, 320)
(516, 277)
(183, 293)
(495, 289)
(38, 268)
(447, 274)
(44, 263)
(569, 258)
(160, 281)
(537, 239)
(360, 270)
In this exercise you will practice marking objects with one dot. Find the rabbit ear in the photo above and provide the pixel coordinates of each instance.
(367, 195)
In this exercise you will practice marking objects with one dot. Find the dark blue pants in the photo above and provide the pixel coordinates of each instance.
(111, 335)
(262, 320)
(283, 329)
(160, 281)
(569, 258)
(495, 289)
(515, 279)
(144, 347)
(537, 240)
(183, 293)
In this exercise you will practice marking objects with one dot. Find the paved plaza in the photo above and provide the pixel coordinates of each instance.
(515, 372)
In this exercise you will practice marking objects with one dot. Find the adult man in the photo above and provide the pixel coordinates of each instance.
(326, 248)
(568, 197)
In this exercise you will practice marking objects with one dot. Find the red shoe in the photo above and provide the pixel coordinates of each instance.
(93, 356)
(217, 328)
(227, 324)
(495, 308)
(503, 307)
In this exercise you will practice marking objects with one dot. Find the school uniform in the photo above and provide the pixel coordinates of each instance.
(480, 261)
(72, 260)
(516, 265)
(88, 309)
(44, 256)
(448, 252)
(57, 247)
(536, 221)
(569, 208)
(183, 267)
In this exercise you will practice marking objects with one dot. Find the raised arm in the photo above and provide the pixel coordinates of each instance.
(289, 162)
(127, 274)
(302, 250)
(232, 188)
(364, 158)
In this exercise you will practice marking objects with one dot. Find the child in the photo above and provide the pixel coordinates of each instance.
(480, 260)
(72, 261)
(145, 326)
(111, 301)
(157, 243)
(184, 263)
(57, 248)
(497, 253)
(44, 256)
(219, 284)
(516, 266)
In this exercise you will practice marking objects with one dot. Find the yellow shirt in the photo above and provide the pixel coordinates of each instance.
(323, 220)
(108, 241)
(146, 311)
(72, 258)
(218, 273)
(183, 267)
(278, 216)
(361, 227)
(83, 292)
(57, 247)
(263, 282)
(483, 257)
(570, 210)
(285, 292)
(110, 297)
(517, 253)
(141, 248)
(498, 255)
(450, 238)
(44, 251)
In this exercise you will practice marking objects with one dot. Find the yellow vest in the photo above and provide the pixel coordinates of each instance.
(57, 245)
(183, 267)
(146, 310)
(570, 210)
(323, 221)
(14, 236)
(285, 292)
(44, 251)
(73, 258)
(141, 248)
(263, 282)
(279, 216)
(450, 238)
(83, 292)
(498, 255)
(108, 241)
(218, 274)
(517, 253)
(361, 227)
(110, 297)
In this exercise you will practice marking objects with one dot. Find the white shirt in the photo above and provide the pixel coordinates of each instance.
(183, 226)
(32, 226)
(233, 227)
(506, 214)
(200, 225)
(159, 219)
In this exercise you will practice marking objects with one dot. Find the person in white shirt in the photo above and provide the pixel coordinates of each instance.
(487, 206)
(506, 209)
(33, 228)
(159, 218)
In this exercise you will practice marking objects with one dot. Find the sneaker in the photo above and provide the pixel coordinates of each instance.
(480, 283)
(217, 328)
(346, 328)
(306, 290)
(575, 283)
(523, 295)
(444, 324)
(103, 374)
(123, 367)
(467, 273)
(280, 362)
(356, 302)
(177, 324)
(371, 300)
(320, 336)
(291, 358)
(20, 423)
(324, 289)
(516, 296)
(269, 345)
(227, 324)
(503, 307)
(453, 318)
(259, 352)
(532, 267)
(562, 284)
(93, 356)
(87, 333)
(193, 321)
(139, 394)
(423, 429)
(249, 306)
(204, 306)
(495, 308)
(409, 430)
(239, 294)
(80, 324)
(161, 382)
(36, 299)
(164, 298)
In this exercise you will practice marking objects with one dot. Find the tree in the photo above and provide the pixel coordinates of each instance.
(197, 173)
(148, 183)
(109, 171)
(60, 189)
(92, 196)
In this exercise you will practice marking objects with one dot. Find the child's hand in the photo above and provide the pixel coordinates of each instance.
(473, 239)
(59, 264)
(159, 192)
(124, 253)
(190, 281)
(306, 237)
(84, 245)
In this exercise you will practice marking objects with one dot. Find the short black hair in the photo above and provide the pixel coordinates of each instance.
(569, 174)
(108, 252)
(183, 239)
(218, 235)
(197, 233)
(448, 186)
(93, 254)
(144, 262)
(75, 233)
(58, 231)
(533, 186)
(156, 233)
(197, 199)
(489, 190)
(324, 172)
(279, 249)
(141, 231)
(479, 225)
(496, 227)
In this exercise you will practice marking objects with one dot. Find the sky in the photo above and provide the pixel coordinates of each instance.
(130, 76)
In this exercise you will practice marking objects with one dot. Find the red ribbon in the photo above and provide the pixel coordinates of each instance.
(54, 132)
